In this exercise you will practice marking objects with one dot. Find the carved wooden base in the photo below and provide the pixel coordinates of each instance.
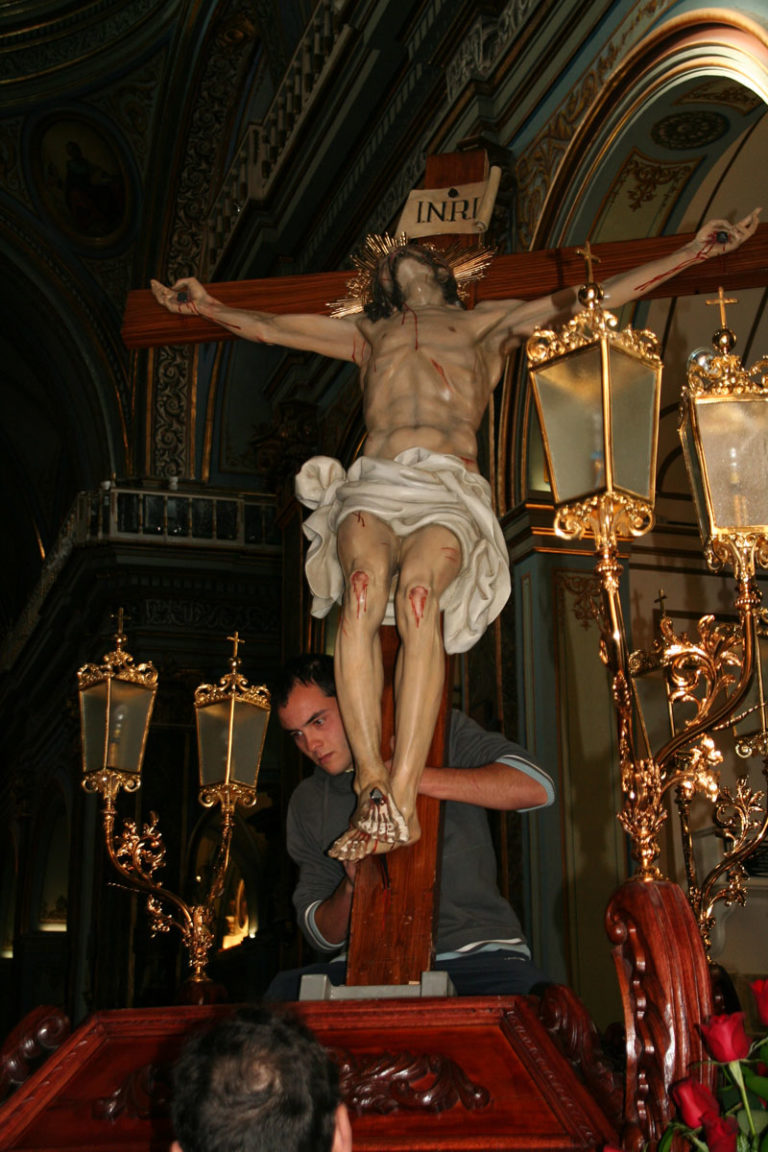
(472, 1073)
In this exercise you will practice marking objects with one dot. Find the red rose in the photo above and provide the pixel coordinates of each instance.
(725, 1037)
(760, 993)
(721, 1134)
(695, 1103)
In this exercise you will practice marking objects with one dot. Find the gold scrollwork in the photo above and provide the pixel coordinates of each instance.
(746, 551)
(725, 375)
(228, 795)
(589, 327)
(608, 516)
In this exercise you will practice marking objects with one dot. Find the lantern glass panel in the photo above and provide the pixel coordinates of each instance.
(249, 724)
(734, 440)
(248, 741)
(693, 467)
(634, 391)
(569, 399)
(115, 717)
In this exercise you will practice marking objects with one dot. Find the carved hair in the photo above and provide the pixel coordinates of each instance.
(386, 293)
(257, 1081)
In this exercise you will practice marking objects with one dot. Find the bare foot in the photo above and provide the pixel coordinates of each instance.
(379, 816)
(356, 842)
(356, 845)
(376, 826)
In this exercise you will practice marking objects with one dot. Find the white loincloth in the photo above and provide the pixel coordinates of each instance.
(415, 489)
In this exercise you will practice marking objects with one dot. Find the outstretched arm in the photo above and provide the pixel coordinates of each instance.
(715, 239)
(338, 338)
(512, 320)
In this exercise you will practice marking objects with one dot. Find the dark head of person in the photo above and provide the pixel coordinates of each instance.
(309, 668)
(257, 1081)
(387, 295)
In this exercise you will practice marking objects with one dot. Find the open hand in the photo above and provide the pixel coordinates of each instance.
(717, 237)
(187, 297)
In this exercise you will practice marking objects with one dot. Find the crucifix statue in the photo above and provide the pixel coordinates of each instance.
(408, 531)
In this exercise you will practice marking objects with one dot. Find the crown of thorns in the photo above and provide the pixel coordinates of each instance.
(466, 265)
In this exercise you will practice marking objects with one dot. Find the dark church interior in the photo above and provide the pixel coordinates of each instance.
(147, 477)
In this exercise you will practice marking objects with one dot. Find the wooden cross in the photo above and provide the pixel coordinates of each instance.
(523, 276)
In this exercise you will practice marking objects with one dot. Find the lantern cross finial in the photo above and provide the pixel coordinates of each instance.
(236, 640)
(661, 600)
(722, 300)
(589, 257)
(120, 637)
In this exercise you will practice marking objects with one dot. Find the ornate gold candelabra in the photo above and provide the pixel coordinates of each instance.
(597, 394)
(116, 701)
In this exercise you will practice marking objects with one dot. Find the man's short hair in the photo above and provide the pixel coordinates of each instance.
(257, 1081)
(309, 668)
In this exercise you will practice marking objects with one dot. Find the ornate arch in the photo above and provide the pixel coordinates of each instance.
(693, 92)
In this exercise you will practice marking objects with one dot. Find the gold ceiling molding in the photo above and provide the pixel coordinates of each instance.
(212, 92)
(724, 92)
(715, 38)
(539, 164)
(647, 189)
(47, 45)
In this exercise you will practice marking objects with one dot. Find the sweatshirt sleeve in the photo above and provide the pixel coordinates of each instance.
(470, 746)
(319, 874)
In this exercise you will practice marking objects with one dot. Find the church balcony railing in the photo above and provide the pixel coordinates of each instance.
(173, 515)
(122, 512)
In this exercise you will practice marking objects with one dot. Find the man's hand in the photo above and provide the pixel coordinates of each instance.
(186, 297)
(717, 237)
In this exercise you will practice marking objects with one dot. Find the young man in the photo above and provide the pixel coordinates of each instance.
(479, 940)
(258, 1081)
(413, 512)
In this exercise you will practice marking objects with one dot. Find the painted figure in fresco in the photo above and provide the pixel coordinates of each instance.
(409, 530)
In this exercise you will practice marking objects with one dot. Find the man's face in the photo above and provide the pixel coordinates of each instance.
(314, 721)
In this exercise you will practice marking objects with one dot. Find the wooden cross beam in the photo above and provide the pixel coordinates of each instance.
(523, 276)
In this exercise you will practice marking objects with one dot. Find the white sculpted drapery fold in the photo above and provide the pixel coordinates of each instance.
(414, 490)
